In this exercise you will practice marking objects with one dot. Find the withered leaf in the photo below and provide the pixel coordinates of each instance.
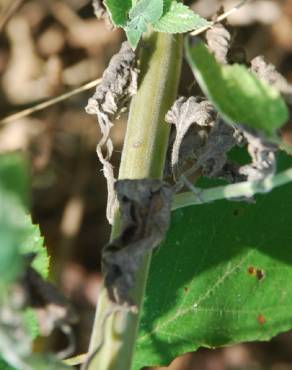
(145, 207)
(263, 157)
(184, 113)
(119, 83)
(218, 40)
(267, 72)
(51, 307)
(212, 156)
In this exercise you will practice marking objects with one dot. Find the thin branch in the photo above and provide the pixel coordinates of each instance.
(219, 19)
(49, 102)
(241, 189)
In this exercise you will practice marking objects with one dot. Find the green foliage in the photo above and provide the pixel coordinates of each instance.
(144, 12)
(33, 242)
(164, 16)
(17, 233)
(237, 94)
(118, 11)
(222, 276)
(30, 322)
(13, 176)
(5, 366)
(178, 19)
(12, 224)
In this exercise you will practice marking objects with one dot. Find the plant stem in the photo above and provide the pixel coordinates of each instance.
(241, 189)
(143, 157)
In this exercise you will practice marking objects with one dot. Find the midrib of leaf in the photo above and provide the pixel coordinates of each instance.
(195, 307)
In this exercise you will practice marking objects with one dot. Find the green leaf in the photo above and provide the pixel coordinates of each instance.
(144, 12)
(178, 19)
(236, 93)
(166, 5)
(222, 276)
(13, 176)
(12, 227)
(33, 242)
(5, 366)
(30, 322)
(150, 10)
(17, 233)
(134, 31)
(118, 11)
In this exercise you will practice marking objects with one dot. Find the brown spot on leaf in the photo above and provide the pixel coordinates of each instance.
(260, 274)
(256, 272)
(251, 270)
(186, 289)
(261, 319)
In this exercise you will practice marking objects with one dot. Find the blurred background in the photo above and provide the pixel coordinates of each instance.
(48, 47)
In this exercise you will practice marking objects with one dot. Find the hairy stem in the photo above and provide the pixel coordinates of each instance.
(143, 157)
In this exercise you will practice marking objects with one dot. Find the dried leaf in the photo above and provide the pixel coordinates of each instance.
(119, 83)
(212, 157)
(52, 309)
(184, 113)
(262, 153)
(267, 72)
(218, 40)
(203, 141)
(145, 214)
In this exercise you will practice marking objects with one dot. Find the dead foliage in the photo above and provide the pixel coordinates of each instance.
(145, 214)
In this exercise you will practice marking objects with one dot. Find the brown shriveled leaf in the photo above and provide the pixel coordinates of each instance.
(203, 141)
(145, 207)
(218, 40)
(184, 113)
(262, 153)
(267, 72)
(51, 307)
(119, 83)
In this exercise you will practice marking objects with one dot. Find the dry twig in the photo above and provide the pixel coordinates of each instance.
(219, 19)
(49, 102)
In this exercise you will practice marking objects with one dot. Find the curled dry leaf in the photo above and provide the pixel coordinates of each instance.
(145, 207)
(267, 72)
(119, 83)
(184, 113)
(218, 40)
(212, 157)
(262, 153)
(51, 308)
(202, 138)
(204, 141)
(15, 341)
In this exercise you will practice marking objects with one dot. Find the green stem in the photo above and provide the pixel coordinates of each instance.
(241, 189)
(143, 157)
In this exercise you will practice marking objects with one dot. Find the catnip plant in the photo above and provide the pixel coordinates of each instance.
(200, 250)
